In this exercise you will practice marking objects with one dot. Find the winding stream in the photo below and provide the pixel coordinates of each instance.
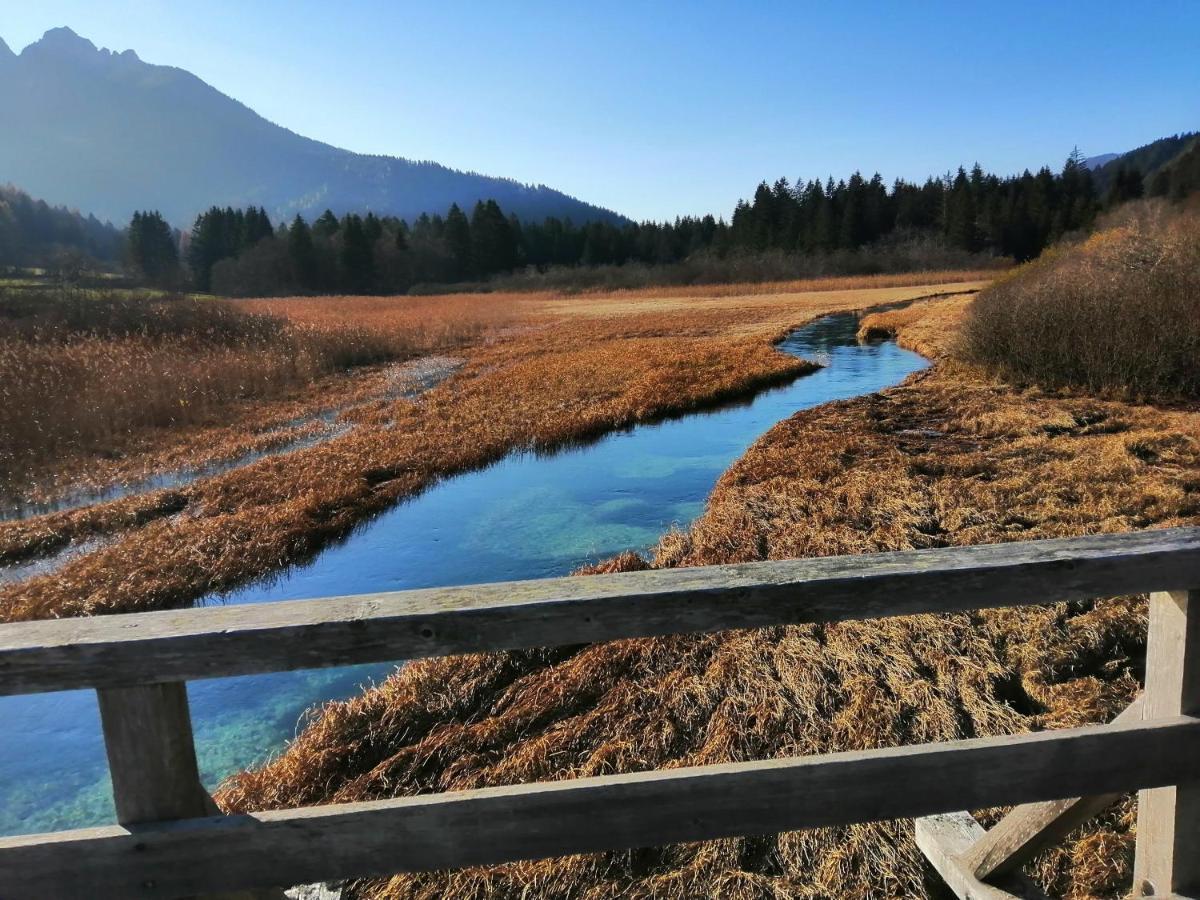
(528, 516)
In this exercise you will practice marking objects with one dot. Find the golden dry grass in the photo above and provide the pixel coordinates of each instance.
(949, 458)
(928, 327)
(808, 285)
(86, 377)
(92, 408)
(553, 374)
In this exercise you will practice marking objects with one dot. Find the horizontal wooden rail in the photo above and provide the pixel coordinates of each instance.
(493, 825)
(1018, 837)
(147, 648)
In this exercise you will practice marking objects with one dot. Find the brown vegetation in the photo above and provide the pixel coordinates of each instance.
(950, 458)
(912, 257)
(565, 370)
(85, 374)
(1117, 314)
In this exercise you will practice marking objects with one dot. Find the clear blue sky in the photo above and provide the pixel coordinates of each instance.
(657, 109)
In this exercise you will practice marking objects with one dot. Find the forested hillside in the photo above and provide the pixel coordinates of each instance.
(35, 234)
(1147, 160)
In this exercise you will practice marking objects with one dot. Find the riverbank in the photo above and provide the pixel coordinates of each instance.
(949, 458)
(570, 370)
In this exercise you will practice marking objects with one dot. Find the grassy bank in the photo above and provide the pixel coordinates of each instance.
(90, 374)
(564, 370)
(953, 457)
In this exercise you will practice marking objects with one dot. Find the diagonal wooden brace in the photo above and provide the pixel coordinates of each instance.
(1027, 829)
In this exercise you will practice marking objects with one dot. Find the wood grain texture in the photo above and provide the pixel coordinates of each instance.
(219, 641)
(615, 812)
(1167, 860)
(944, 838)
(152, 761)
(151, 754)
(1028, 829)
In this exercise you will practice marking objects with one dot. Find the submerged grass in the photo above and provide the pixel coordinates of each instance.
(950, 458)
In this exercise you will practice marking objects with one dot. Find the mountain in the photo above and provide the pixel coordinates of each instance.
(1147, 159)
(1095, 162)
(108, 133)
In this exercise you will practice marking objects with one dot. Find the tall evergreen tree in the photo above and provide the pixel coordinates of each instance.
(357, 255)
(153, 251)
(457, 231)
(302, 255)
(372, 227)
(493, 241)
(326, 225)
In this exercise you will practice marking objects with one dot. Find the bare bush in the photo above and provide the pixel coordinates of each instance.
(1117, 314)
(898, 256)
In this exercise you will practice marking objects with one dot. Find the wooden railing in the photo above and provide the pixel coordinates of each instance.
(170, 842)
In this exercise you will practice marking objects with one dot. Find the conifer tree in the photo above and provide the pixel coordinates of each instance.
(357, 255)
(153, 251)
(493, 243)
(326, 225)
(302, 255)
(457, 232)
(372, 227)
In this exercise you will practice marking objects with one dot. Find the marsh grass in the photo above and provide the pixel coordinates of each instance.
(950, 458)
(86, 372)
(545, 373)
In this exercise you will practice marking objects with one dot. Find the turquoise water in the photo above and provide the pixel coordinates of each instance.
(528, 516)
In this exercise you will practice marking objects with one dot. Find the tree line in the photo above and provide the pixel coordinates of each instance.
(35, 234)
(240, 252)
(1015, 217)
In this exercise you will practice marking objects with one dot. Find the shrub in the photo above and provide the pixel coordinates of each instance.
(897, 256)
(1117, 314)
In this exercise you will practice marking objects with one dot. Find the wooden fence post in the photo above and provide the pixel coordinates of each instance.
(1168, 824)
(152, 761)
(151, 753)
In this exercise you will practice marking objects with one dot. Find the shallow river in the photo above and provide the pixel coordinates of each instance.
(528, 516)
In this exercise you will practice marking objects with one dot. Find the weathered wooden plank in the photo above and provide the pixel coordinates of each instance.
(1167, 860)
(212, 642)
(152, 762)
(615, 812)
(1018, 837)
(944, 838)
(151, 754)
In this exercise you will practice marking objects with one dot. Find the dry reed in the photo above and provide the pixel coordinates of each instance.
(85, 375)
(950, 458)
(565, 372)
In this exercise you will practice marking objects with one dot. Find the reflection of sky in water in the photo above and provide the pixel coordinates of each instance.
(528, 516)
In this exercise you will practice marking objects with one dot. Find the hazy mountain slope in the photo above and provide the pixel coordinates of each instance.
(33, 233)
(109, 133)
(1095, 162)
(1146, 159)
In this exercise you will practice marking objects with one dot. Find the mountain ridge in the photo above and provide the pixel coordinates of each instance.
(1101, 159)
(107, 132)
(1147, 159)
